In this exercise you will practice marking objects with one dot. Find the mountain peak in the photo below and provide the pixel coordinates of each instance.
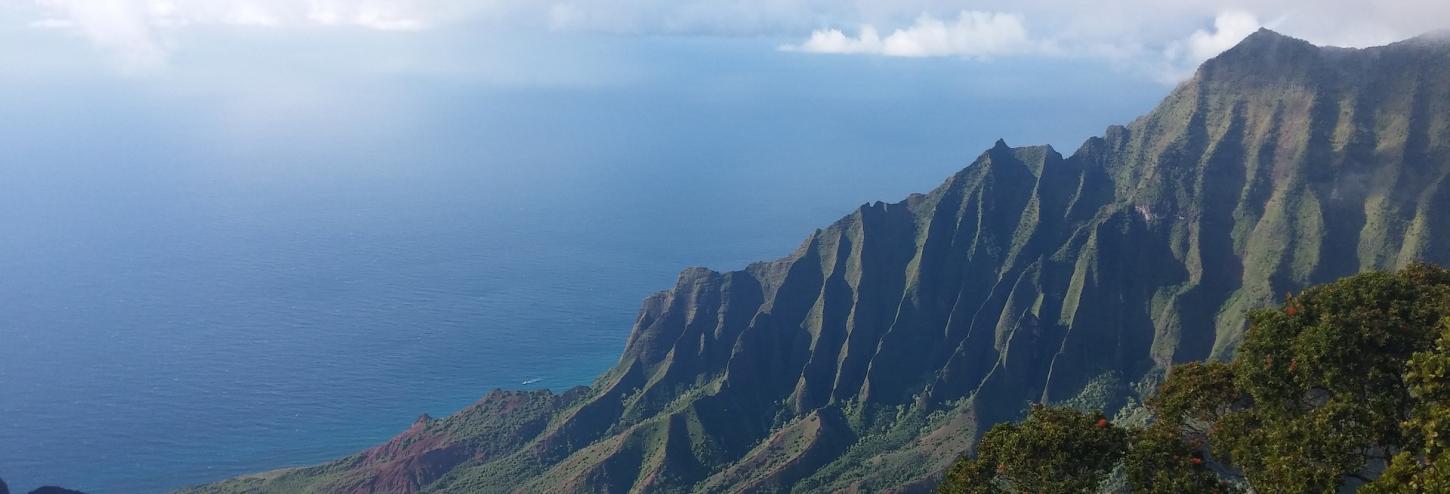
(1436, 37)
(1264, 33)
(1265, 41)
(1263, 55)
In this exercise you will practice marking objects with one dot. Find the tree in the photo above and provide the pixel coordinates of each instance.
(1195, 396)
(1054, 451)
(1345, 385)
(1170, 456)
(1161, 460)
(1325, 375)
(1423, 466)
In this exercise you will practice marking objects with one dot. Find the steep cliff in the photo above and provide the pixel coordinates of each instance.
(875, 353)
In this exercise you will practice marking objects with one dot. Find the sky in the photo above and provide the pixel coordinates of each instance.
(1151, 39)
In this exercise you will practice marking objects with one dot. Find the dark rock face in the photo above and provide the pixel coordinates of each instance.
(50, 489)
(872, 356)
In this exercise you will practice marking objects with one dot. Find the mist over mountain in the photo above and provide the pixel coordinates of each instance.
(877, 352)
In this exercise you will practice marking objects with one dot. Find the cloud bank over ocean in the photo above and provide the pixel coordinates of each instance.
(1157, 40)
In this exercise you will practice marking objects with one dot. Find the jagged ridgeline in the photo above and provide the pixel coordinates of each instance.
(874, 355)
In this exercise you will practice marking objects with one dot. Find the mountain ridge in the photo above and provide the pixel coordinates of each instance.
(872, 356)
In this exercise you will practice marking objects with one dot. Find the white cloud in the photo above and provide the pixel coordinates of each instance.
(987, 34)
(121, 26)
(835, 41)
(248, 14)
(383, 18)
(972, 34)
(991, 34)
(1152, 36)
(372, 14)
(1125, 22)
(1181, 57)
(1229, 28)
(52, 24)
(137, 32)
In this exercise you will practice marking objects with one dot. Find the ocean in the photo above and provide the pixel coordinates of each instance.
(195, 286)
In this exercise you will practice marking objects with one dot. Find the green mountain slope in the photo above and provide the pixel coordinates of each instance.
(872, 356)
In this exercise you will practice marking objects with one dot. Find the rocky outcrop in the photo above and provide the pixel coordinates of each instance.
(50, 489)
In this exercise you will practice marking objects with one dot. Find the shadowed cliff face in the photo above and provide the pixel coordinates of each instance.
(872, 356)
(49, 489)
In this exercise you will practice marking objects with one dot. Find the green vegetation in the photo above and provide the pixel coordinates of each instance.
(1423, 465)
(1057, 450)
(1324, 392)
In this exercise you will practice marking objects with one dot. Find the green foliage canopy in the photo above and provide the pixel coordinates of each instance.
(1345, 385)
(1324, 379)
(1054, 451)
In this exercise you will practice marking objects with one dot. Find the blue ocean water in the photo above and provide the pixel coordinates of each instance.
(191, 291)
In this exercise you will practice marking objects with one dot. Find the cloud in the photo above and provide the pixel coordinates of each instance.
(1228, 29)
(120, 26)
(370, 14)
(1161, 39)
(1181, 57)
(1147, 23)
(835, 41)
(384, 20)
(248, 14)
(993, 34)
(138, 32)
(973, 34)
(52, 24)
